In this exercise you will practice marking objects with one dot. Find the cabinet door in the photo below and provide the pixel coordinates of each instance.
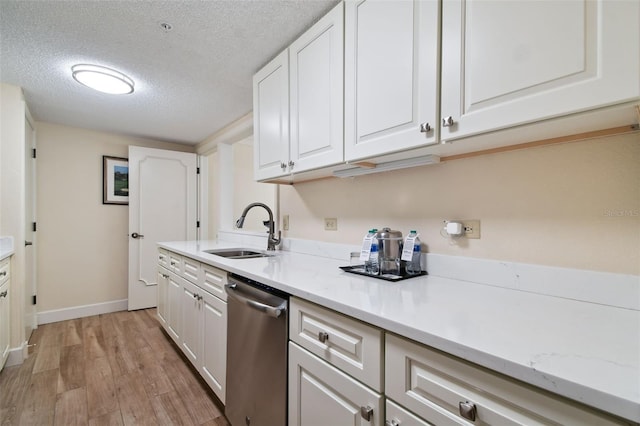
(316, 101)
(4, 323)
(191, 324)
(509, 63)
(271, 119)
(174, 301)
(163, 288)
(321, 395)
(213, 359)
(391, 75)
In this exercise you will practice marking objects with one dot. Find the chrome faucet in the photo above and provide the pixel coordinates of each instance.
(272, 241)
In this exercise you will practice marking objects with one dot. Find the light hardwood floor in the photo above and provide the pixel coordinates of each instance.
(112, 369)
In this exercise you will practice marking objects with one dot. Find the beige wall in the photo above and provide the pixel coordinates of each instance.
(574, 205)
(82, 244)
(247, 191)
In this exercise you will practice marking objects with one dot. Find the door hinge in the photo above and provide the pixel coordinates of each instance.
(197, 170)
(198, 224)
(33, 153)
(33, 299)
(34, 227)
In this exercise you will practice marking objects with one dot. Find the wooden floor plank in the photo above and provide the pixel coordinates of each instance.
(72, 368)
(135, 406)
(72, 333)
(144, 319)
(40, 399)
(14, 382)
(47, 358)
(101, 392)
(93, 340)
(161, 344)
(170, 410)
(121, 357)
(155, 379)
(71, 408)
(110, 419)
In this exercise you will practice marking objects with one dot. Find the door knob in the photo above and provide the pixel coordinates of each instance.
(136, 235)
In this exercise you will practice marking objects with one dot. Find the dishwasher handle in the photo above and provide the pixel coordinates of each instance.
(272, 311)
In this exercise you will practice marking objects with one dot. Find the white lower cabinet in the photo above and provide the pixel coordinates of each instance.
(192, 311)
(321, 395)
(5, 330)
(445, 390)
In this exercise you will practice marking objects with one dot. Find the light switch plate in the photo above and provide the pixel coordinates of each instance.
(285, 222)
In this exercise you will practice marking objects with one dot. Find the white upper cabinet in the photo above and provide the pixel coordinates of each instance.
(391, 76)
(316, 94)
(509, 63)
(298, 103)
(271, 118)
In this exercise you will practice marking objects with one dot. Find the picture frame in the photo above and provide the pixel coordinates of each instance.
(115, 180)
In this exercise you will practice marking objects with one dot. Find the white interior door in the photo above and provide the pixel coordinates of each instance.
(162, 207)
(30, 235)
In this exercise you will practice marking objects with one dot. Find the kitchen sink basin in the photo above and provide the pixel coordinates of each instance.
(237, 253)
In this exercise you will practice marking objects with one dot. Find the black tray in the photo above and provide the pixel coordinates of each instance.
(359, 270)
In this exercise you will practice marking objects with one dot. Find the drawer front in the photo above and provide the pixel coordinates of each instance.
(5, 270)
(427, 381)
(175, 263)
(190, 269)
(213, 280)
(398, 416)
(350, 345)
(163, 258)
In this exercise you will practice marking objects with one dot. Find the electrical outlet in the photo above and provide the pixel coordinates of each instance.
(330, 224)
(471, 229)
(285, 222)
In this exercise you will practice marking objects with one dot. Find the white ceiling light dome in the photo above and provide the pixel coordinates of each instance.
(102, 79)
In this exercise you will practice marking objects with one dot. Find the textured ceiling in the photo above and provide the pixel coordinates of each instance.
(190, 81)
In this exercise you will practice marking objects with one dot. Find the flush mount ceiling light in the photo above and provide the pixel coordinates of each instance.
(102, 79)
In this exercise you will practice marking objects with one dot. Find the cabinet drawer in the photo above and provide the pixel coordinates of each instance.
(5, 270)
(398, 416)
(175, 263)
(350, 345)
(190, 269)
(213, 280)
(427, 381)
(163, 258)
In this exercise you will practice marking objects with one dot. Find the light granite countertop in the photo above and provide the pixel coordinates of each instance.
(6, 247)
(585, 351)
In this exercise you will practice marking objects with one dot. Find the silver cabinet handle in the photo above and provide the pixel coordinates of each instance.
(448, 121)
(173, 263)
(468, 410)
(165, 276)
(291, 164)
(3, 274)
(4, 294)
(136, 235)
(366, 413)
(393, 422)
(283, 165)
(425, 128)
(323, 336)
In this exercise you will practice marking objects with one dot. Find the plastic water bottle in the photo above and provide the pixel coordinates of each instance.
(374, 264)
(413, 266)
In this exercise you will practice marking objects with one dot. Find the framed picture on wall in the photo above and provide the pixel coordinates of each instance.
(115, 180)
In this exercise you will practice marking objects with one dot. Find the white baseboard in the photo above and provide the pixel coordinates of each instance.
(74, 312)
(16, 355)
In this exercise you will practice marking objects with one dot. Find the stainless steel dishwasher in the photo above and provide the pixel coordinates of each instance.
(256, 354)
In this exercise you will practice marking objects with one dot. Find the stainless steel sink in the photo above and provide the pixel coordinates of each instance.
(237, 253)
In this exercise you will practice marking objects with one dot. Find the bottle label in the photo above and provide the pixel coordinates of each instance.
(407, 248)
(365, 252)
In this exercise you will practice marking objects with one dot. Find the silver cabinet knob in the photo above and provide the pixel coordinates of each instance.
(291, 164)
(425, 128)
(366, 413)
(283, 166)
(448, 121)
(3, 274)
(323, 336)
(468, 410)
(392, 422)
(4, 294)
